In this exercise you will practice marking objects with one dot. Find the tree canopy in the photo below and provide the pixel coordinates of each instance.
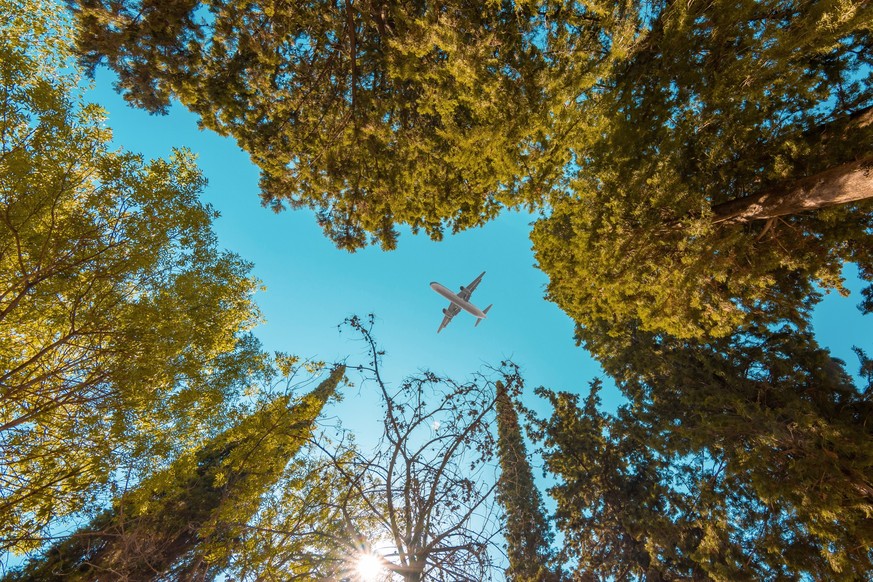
(702, 172)
(707, 476)
(124, 326)
(684, 151)
(745, 456)
(373, 114)
(676, 150)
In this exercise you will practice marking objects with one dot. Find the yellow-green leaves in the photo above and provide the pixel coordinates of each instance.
(373, 115)
(191, 518)
(716, 102)
(119, 316)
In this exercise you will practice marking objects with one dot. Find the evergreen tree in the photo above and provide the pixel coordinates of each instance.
(786, 420)
(721, 167)
(373, 114)
(184, 522)
(527, 533)
(634, 504)
(618, 509)
(723, 174)
(783, 422)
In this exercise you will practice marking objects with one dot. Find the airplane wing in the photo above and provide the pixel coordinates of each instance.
(465, 292)
(449, 312)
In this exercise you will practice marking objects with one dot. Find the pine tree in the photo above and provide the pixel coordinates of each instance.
(783, 418)
(709, 486)
(183, 522)
(620, 516)
(527, 533)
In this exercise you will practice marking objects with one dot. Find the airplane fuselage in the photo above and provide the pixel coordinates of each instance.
(453, 297)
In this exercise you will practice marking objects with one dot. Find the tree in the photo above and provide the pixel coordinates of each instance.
(184, 522)
(617, 508)
(527, 533)
(428, 486)
(784, 422)
(645, 131)
(722, 168)
(706, 208)
(301, 530)
(123, 328)
(667, 491)
(373, 114)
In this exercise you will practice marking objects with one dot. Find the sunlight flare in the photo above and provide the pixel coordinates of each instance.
(369, 567)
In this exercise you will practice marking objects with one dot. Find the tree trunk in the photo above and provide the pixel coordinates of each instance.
(840, 185)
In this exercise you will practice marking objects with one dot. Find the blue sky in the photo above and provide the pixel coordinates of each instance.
(311, 286)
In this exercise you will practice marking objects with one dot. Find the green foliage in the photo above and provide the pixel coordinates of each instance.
(300, 531)
(617, 506)
(187, 520)
(725, 488)
(373, 114)
(527, 533)
(786, 419)
(745, 449)
(122, 325)
(625, 122)
(714, 101)
(783, 422)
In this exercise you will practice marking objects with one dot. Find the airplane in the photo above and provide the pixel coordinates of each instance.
(460, 301)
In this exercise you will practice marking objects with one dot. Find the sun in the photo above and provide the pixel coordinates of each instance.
(369, 567)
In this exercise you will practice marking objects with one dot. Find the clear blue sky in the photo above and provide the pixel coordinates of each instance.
(311, 286)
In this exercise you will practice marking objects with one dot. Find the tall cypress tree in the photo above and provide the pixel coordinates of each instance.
(182, 522)
(527, 533)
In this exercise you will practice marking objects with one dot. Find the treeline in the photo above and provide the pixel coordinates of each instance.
(701, 170)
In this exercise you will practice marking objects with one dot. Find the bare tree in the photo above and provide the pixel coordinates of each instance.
(430, 482)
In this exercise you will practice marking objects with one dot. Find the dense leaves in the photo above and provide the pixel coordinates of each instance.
(714, 103)
(702, 168)
(746, 456)
(526, 531)
(184, 522)
(618, 507)
(371, 113)
(629, 124)
(119, 317)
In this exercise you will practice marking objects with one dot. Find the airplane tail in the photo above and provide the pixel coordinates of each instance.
(481, 318)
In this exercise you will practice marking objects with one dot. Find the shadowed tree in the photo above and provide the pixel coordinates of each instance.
(526, 531)
(185, 521)
(785, 424)
(634, 503)
(123, 326)
(373, 114)
(619, 509)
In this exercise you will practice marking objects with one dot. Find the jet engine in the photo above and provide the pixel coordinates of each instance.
(445, 311)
